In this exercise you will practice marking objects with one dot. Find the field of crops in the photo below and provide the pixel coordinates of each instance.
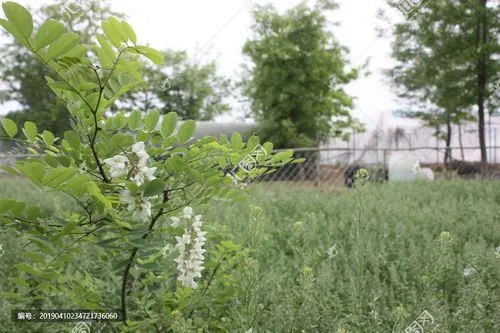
(368, 260)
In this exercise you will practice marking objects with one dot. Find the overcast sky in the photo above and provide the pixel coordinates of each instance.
(225, 24)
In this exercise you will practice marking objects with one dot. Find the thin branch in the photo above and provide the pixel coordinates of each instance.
(212, 276)
(94, 113)
(99, 165)
(72, 243)
(131, 259)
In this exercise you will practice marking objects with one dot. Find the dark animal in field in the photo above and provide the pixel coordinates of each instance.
(464, 168)
(378, 175)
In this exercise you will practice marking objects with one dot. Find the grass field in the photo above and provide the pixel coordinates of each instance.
(369, 260)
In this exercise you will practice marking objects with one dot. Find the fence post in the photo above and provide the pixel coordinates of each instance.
(495, 144)
(317, 178)
(385, 158)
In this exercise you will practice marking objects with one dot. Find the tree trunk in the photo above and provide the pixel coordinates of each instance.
(481, 39)
(460, 141)
(447, 154)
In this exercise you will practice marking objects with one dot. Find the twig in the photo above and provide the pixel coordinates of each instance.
(70, 245)
(131, 259)
(209, 282)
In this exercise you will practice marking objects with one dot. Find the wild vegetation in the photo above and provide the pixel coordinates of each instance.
(368, 260)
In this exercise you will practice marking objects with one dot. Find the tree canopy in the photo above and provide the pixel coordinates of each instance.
(196, 92)
(447, 56)
(294, 60)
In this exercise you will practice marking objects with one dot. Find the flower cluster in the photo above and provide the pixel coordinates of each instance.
(190, 247)
(121, 165)
(143, 211)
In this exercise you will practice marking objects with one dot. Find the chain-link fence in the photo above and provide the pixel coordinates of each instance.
(330, 168)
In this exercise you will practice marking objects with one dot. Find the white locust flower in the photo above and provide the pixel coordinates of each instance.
(138, 178)
(144, 174)
(129, 199)
(140, 150)
(117, 165)
(175, 221)
(190, 247)
(188, 212)
(143, 212)
(148, 173)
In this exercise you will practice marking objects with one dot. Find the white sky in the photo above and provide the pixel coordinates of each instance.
(187, 23)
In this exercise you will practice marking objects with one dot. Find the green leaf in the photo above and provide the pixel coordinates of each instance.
(169, 142)
(19, 17)
(70, 226)
(19, 282)
(30, 130)
(123, 224)
(128, 83)
(48, 138)
(112, 34)
(134, 120)
(151, 265)
(105, 243)
(35, 257)
(117, 26)
(43, 245)
(236, 141)
(73, 139)
(186, 131)
(130, 32)
(13, 31)
(120, 264)
(153, 188)
(268, 146)
(121, 140)
(61, 85)
(10, 127)
(155, 56)
(252, 142)
(77, 52)
(51, 161)
(223, 139)
(119, 120)
(169, 124)
(62, 45)
(281, 156)
(27, 269)
(58, 176)
(151, 120)
(9, 169)
(105, 52)
(34, 170)
(50, 31)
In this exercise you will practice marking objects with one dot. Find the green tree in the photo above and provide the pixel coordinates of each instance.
(24, 75)
(447, 53)
(192, 91)
(295, 81)
(127, 178)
